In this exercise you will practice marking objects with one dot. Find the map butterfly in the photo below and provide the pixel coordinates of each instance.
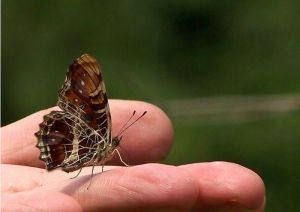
(80, 134)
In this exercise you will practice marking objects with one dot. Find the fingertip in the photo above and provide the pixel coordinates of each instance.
(161, 130)
(224, 182)
(150, 139)
(244, 183)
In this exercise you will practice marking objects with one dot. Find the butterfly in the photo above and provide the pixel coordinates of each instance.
(80, 134)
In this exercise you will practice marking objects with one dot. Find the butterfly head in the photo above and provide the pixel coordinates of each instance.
(116, 141)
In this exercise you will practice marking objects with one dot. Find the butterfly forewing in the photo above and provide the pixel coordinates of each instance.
(84, 95)
(77, 135)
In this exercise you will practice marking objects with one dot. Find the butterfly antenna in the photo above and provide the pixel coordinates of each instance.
(126, 122)
(122, 131)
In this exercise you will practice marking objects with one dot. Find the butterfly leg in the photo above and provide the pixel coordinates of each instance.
(121, 157)
(76, 174)
(92, 174)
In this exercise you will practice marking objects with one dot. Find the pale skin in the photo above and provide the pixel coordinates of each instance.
(210, 186)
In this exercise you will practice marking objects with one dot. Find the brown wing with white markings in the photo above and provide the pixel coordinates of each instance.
(74, 137)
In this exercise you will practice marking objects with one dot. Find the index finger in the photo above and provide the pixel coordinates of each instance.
(147, 141)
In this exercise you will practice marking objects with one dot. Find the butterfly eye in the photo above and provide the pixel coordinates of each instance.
(116, 141)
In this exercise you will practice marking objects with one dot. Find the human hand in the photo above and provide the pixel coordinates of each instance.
(215, 186)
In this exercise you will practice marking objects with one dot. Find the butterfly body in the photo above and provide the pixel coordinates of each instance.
(80, 134)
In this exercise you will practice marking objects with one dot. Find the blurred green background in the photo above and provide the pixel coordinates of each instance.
(227, 73)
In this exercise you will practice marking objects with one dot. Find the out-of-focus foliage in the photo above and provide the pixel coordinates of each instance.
(158, 51)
